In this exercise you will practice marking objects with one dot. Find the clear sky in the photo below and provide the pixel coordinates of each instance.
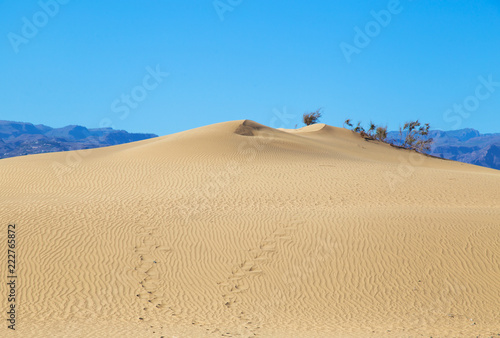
(167, 66)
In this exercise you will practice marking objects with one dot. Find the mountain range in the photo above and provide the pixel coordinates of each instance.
(21, 138)
(464, 145)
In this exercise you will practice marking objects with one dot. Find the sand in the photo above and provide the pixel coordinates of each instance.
(237, 229)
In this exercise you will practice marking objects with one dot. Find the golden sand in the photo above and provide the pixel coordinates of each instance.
(237, 229)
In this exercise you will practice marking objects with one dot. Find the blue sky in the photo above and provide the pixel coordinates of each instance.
(168, 66)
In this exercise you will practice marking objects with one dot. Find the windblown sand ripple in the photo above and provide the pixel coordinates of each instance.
(241, 230)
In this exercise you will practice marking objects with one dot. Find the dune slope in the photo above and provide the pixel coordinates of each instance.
(237, 229)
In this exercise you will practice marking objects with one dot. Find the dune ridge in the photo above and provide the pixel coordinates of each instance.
(237, 229)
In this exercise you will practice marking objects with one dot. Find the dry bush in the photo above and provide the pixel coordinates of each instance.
(358, 128)
(381, 133)
(371, 129)
(348, 123)
(413, 135)
(312, 118)
(416, 136)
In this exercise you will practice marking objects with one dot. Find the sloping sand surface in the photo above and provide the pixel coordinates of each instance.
(237, 229)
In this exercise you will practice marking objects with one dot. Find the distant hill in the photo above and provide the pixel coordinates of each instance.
(464, 145)
(21, 138)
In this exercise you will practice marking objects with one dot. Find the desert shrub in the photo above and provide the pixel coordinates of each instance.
(348, 123)
(371, 129)
(413, 135)
(312, 118)
(358, 128)
(381, 133)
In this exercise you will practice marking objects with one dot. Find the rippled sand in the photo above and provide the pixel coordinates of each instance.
(237, 229)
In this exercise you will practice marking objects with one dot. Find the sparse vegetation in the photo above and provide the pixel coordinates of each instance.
(312, 118)
(358, 128)
(381, 133)
(371, 129)
(413, 135)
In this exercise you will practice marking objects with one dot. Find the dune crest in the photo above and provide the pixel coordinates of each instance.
(247, 128)
(239, 229)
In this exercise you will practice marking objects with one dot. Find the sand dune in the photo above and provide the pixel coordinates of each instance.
(237, 229)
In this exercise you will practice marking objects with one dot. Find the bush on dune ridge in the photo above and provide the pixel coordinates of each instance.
(311, 118)
(413, 135)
